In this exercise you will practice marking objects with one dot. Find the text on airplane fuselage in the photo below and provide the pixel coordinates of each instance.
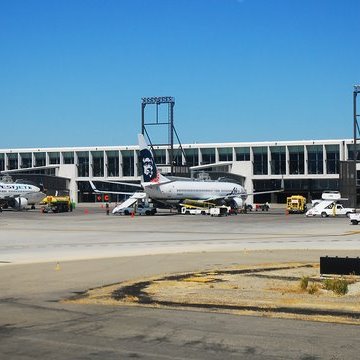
(15, 187)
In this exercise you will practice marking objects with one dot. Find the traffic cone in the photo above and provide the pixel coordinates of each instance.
(132, 214)
(86, 211)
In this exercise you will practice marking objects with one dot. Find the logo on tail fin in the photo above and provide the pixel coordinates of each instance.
(149, 170)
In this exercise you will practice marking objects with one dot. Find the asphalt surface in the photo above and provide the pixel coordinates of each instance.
(36, 275)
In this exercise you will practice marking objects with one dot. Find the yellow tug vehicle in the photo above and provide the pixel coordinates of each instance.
(56, 204)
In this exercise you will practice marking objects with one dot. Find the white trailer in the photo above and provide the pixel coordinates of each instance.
(354, 218)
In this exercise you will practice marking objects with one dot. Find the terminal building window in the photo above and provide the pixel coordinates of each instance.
(26, 160)
(225, 154)
(160, 156)
(296, 160)
(260, 160)
(315, 159)
(208, 156)
(351, 152)
(98, 163)
(192, 157)
(128, 162)
(112, 163)
(242, 154)
(177, 159)
(332, 159)
(278, 160)
(68, 157)
(83, 163)
(54, 158)
(2, 162)
(40, 159)
(12, 161)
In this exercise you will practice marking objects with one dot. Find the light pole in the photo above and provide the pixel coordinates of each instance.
(356, 136)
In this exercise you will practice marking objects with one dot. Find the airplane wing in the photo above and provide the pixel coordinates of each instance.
(120, 183)
(108, 192)
(266, 192)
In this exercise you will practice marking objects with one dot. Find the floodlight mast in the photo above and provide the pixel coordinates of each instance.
(158, 100)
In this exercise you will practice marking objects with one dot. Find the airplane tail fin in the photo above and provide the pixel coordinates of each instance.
(150, 173)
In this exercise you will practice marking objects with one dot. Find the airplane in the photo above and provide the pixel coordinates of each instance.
(167, 191)
(18, 195)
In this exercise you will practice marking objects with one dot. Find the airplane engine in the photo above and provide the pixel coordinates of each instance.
(20, 203)
(238, 201)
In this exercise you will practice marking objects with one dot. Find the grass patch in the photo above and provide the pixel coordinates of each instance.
(338, 286)
(304, 282)
(313, 289)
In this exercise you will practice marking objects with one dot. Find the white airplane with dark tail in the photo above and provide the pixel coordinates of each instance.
(171, 193)
(164, 190)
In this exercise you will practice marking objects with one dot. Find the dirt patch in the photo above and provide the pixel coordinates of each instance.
(268, 290)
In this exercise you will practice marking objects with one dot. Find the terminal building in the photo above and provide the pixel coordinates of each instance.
(306, 167)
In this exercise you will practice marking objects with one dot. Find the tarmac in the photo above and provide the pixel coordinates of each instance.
(48, 258)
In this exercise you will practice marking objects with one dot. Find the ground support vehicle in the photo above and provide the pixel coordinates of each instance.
(329, 208)
(56, 204)
(140, 209)
(262, 207)
(219, 211)
(296, 204)
(354, 218)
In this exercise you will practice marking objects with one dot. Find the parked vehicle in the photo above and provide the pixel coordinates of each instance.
(141, 209)
(329, 208)
(354, 218)
(296, 204)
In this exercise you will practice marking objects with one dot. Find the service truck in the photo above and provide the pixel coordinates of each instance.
(56, 204)
(296, 204)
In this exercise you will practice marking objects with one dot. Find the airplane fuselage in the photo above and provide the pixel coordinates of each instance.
(197, 190)
(8, 190)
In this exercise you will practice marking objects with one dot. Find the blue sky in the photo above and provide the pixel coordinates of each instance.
(72, 73)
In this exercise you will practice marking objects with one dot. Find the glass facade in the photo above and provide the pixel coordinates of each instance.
(332, 159)
(26, 160)
(54, 158)
(225, 154)
(260, 160)
(13, 162)
(160, 157)
(208, 156)
(97, 163)
(192, 157)
(278, 160)
(242, 153)
(350, 148)
(112, 163)
(83, 163)
(315, 159)
(296, 160)
(68, 157)
(40, 159)
(2, 162)
(128, 163)
(177, 157)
